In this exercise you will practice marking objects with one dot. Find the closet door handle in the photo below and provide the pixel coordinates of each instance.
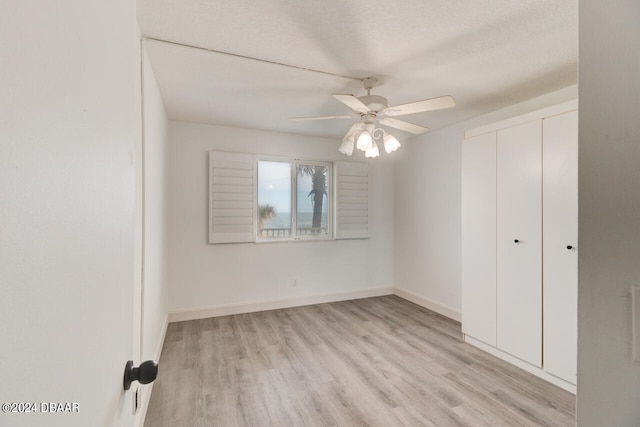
(516, 241)
(570, 247)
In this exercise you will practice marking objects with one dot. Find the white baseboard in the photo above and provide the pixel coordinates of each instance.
(445, 310)
(274, 304)
(539, 372)
(146, 390)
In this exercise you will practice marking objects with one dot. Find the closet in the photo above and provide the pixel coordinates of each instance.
(519, 241)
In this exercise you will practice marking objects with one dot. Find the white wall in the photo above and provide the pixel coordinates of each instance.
(609, 215)
(428, 209)
(69, 126)
(206, 276)
(155, 266)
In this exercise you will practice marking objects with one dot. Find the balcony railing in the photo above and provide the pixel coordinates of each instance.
(286, 232)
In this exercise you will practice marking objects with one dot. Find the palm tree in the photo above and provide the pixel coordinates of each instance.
(318, 190)
(265, 213)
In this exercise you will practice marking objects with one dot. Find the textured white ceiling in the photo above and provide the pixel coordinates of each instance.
(486, 54)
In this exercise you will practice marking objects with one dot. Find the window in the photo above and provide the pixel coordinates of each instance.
(274, 199)
(260, 199)
(294, 200)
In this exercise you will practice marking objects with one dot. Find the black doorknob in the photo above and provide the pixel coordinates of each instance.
(145, 373)
(569, 247)
(516, 241)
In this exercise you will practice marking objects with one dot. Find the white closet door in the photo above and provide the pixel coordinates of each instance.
(519, 271)
(479, 237)
(560, 217)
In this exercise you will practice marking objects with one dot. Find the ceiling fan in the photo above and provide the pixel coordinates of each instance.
(374, 109)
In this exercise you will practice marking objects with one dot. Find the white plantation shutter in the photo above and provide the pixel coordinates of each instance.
(232, 202)
(352, 200)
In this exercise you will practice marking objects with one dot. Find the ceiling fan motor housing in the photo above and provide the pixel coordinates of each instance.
(375, 103)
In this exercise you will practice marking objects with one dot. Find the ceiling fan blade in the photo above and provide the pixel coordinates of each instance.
(402, 125)
(298, 119)
(352, 102)
(419, 106)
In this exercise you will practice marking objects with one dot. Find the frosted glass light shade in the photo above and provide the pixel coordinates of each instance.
(372, 151)
(347, 146)
(364, 141)
(391, 144)
(365, 137)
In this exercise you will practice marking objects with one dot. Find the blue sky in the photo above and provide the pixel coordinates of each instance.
(274, 187)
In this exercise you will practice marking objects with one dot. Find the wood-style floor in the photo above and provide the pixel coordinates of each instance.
(370, 362)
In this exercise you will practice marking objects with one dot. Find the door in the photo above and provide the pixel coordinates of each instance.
(519, 241)
(71, 120)
(479, 237)
(560, 218)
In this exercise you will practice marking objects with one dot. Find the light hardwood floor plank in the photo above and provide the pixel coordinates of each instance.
(379, 361)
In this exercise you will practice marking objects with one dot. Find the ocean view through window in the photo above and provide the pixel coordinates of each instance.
(294, 200)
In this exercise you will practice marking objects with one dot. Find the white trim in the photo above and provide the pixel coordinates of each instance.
(445, 310)
(538, 372)
(554, 110)
(273, 304)
(146, 390)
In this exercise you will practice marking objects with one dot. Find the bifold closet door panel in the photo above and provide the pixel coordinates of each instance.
(519, 241)
(479, 237)
(560, 256)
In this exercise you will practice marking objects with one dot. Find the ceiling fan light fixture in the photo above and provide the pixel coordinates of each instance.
(347, 146)
(365, 141)
(374, 110)
(391, 144)
(372, 151)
